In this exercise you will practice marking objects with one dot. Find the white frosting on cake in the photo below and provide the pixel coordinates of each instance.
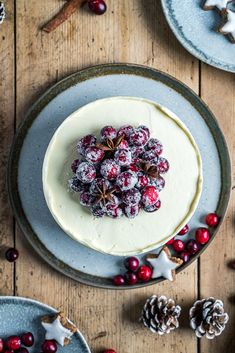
(147, 231)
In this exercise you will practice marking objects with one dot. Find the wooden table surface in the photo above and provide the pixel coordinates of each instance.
(31, 61)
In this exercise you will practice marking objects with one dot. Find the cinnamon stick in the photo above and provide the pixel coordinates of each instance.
(68, 9)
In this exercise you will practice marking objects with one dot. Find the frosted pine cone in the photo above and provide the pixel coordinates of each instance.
(207, 318)
(160, 314)
(2, 12)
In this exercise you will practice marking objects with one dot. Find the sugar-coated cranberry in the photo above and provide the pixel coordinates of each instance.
(138, 137)
(153, 208)
(126, 180)
(119, 280)
(171, 241)
(131, 278)
(178, 245)
(109, 169)
(185, 256)
(94, 154)
(160, 183)
(137, 151)
(131, 263)
(155, 145)
(192, 246)
(12, 254)
(13, 342)
(75, 165)
(49, 346)
(134, 167)
(1, 345)
(86, 199)
(23, 350)
(149, 156)
(123, 157)
(76, 185)
(27, 339)
(202, 235)
(212, 220)
(132, 211)
(125, 130)
(98, 211)
(86, 172)
(145, 129)
(115, 212)
(149, 196)
(113, 203)
(108, 132)
(131, 197)
(143, 180)
(109, 351)
(86, 141)
(144, 273)
(99, 184)
(184, 230)
(97, 6)
(163, 165)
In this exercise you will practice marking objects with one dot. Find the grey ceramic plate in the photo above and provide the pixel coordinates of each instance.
(19, 315)
(196, 31)
(25, 167)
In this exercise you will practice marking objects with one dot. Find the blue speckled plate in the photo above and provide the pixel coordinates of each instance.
(25, 167)
(19, 315)
(196, 31)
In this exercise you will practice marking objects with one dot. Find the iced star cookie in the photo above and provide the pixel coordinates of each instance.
(58, 328)
(219, 4)
(228, 28)
(163, 264)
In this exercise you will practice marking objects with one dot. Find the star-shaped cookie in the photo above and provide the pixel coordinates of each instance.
(219, 4)
(58, 328)
(164, 264)
(229, 26)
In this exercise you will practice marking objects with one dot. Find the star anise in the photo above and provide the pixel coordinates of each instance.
(149, 169)
(110, 145)
(104, 194)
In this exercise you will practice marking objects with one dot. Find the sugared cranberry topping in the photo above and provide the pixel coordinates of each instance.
(123, 145)
(138, 137)
(126, 180)
(171, 241)
(125, 130)
(192, 246)
(86, 172)
(13, 342)
(23, 350)
(155, 145)
(145, 129)
(153, 207)
(202, 235)
(131, 197)
(149, 196)
(85, 142)
(1, 345)
(115, 213)
(144, 273)
(119, 280)
(163, 165)
(131, 263)
(212, 220)
(109, 169)
(108, 132)
(185, 256)
(49, 346)
(143, 180)
(134, 167)
(184, 230)
(178, 245)
(137, 151)
(94, 154)
(12, 254)
(149, 156)
(86, 199)
(97, 6)
(75, 165)
(8, 351)
(76, 185)
(131, 278)
(99, 184)
(132, 211)
(160, 183)
(123, 157)
(98, 211)
(27, 339)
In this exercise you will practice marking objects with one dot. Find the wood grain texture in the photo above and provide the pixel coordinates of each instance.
(7, 105)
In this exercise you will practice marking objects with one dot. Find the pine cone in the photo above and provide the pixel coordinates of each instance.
(207, 318)
(2, 12)
(160, 314)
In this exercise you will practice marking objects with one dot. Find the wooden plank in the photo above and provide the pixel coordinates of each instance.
(6, 134)
(130, 31)
(217, 280)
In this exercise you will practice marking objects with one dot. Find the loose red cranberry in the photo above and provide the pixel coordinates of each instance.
(184, 230)
(109, 351)
(171, 241)
(13, 342)
(202, 235)
(131, 278)
(1, 345)
(27, 339)
(97, 6)
(178, 245)
(185, 256)
(23, 350)
(49, 346)
(12, 254)
(231, 265)
(192, 246)
(212, 220)
(131, 263)
(119, 280)
(144, 273)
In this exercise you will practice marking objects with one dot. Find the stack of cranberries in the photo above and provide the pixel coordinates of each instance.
(121, 173)
(134, 274)
(19, 343)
